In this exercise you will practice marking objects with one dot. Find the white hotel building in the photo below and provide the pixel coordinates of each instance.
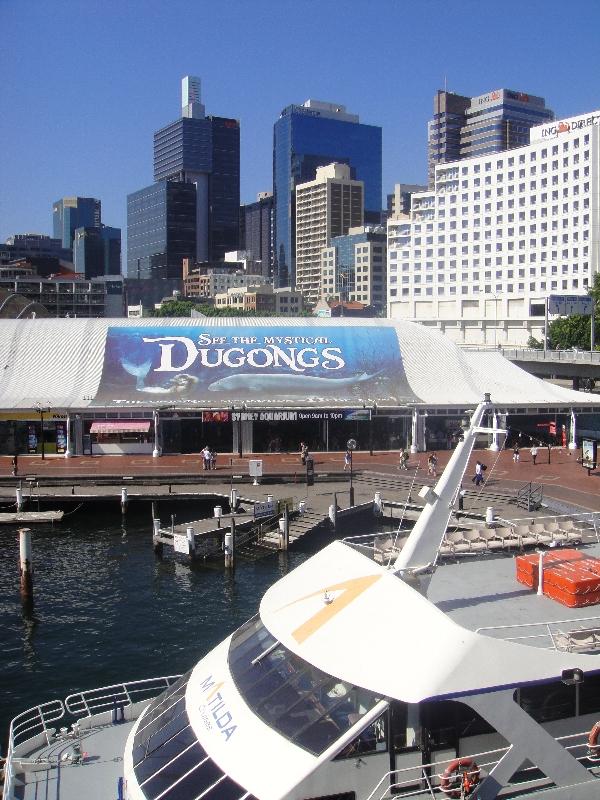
(479, 254)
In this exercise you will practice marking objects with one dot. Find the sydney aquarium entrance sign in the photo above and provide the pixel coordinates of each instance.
(260, 366)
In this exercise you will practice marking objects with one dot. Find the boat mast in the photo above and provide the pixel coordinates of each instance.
(421, 548)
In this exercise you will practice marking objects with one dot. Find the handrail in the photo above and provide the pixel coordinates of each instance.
(105, 698)
(396, 779)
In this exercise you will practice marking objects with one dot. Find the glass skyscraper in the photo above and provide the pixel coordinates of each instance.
(205, 151)
(71, 213)
(309, 136)
(161, 229)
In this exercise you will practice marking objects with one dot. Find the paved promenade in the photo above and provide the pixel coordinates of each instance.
(563, 478)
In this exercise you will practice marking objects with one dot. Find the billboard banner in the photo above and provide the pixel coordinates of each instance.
(568, 304)
(228, 366)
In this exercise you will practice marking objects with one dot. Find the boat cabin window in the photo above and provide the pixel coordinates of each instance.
(373, 739)
(549, 701)
(299, 701)
(447, 721)
(168, 760)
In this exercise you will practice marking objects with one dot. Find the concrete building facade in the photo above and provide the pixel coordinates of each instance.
(353, 267)
(326, 207)
(478, 256)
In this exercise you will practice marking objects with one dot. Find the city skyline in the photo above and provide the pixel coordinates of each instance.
(82, 103)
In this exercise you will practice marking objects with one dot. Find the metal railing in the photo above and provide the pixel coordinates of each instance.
(530, 496)
(36, 721)
(533, 354)
(106, 698)
(417, 780)
(553, 636)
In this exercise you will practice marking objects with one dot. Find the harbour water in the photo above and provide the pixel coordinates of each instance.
(107, 610)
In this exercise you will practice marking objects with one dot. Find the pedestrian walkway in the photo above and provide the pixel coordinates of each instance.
(562, 476)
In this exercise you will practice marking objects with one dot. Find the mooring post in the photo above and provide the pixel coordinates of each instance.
(230, 546)
(19, 493)
(191, 537)
(157, 545)
(284, 530)
(233, 500)
(377, 505)
(26, 564)
(124, 500)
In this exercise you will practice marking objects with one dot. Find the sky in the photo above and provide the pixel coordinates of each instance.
(84, 84)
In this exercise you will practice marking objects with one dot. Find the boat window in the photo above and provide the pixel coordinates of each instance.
(548, 701)
(447, 721)
(589, 694)
(373, 739)
(304, 704)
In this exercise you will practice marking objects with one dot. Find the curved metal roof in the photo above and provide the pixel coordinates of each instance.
(218, 363)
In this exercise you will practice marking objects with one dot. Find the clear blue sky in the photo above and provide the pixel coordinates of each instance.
(85, 83)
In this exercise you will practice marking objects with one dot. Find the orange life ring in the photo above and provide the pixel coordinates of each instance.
(460, 775)
(594, 747)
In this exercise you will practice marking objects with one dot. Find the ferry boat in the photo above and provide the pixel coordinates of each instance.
(357, 680)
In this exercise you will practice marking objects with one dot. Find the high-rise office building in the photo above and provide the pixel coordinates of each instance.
(204, 150)
(465, 127)
(256, 230)
(328, 206)
(71, 213)
(309, 136)
(161, 230)
(97, 251)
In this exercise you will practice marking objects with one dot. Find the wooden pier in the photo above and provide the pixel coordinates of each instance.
(30, 517)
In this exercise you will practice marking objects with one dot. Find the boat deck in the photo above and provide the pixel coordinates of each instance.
(491, 597)
(95, 777)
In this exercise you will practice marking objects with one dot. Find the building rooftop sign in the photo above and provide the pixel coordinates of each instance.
(561, 126)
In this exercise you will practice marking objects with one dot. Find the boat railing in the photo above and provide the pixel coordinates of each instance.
(585, 521)
(417, 780)
(34, 726)
(35, 723)
(559, 634)
(119, 695)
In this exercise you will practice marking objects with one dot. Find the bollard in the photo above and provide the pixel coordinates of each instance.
(19, 493)
(218, 513)
(377, 504)
(26, 564)
(233, 500)
(157, 545)
(269, 498)
(229, 547)
(284, 530)
(124, 500)
(301, 507)
(191, 537)
(489, 515)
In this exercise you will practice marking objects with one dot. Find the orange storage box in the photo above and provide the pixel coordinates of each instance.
(527, 566)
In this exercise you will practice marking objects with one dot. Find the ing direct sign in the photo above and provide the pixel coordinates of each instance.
(225, 366)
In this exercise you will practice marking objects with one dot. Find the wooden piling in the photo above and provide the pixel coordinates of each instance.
(124, 500)
(229, 548)
(26, 565)
(157, 545)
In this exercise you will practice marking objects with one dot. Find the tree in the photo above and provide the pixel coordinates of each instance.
(534, 343)
(574, 331)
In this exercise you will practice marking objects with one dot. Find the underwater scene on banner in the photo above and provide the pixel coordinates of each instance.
(227, 366)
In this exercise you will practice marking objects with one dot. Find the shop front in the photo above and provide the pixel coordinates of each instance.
(119, 436)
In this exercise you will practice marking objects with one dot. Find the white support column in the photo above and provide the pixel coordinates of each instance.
(68, 451)
(413, 435)
(156, 450)
(573, 436)
(494, 447)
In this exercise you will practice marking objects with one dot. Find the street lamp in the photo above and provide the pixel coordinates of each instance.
(41, 410)
(351, 446)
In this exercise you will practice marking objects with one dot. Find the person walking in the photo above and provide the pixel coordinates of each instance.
(213, 458)
(347, 460)
(432, 465)
(534, 454)
(303, 452)
(516, 454)
(478, 477)
(15, 465)
(403, 459)
(206, 457)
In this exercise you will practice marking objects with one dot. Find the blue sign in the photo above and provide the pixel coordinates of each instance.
(226, 366)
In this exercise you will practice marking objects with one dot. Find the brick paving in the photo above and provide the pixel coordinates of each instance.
(564, 479)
